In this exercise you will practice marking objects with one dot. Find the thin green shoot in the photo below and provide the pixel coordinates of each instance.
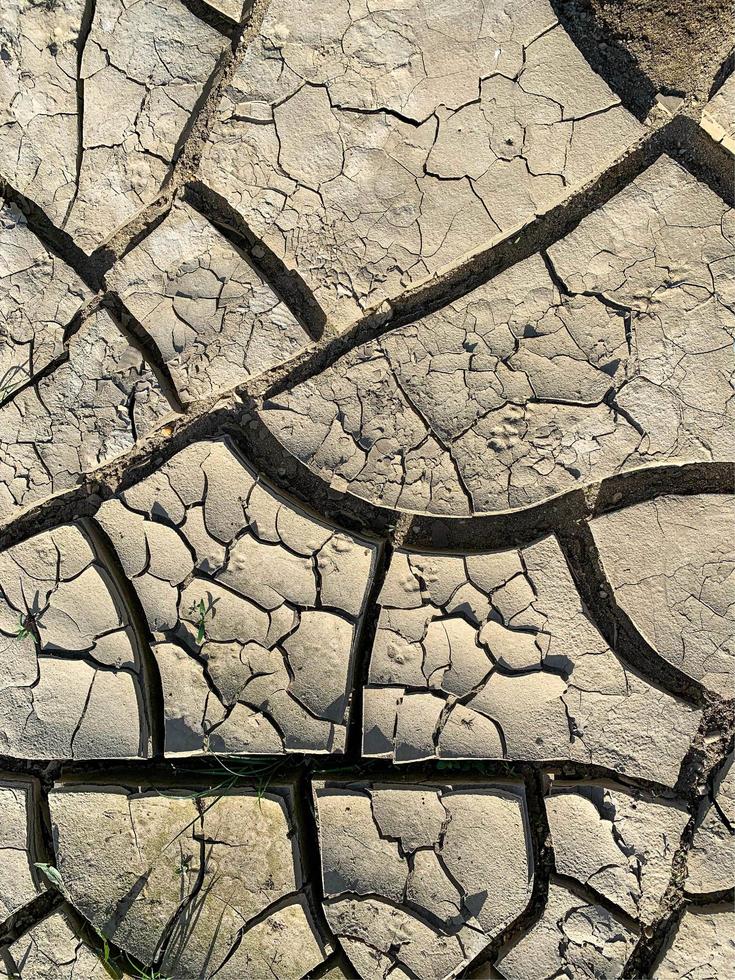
(52, 874)
(199, 609)
(23, 629)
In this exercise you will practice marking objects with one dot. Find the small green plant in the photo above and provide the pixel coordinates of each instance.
(183, 868)
(239, 771)
(107, 962)
(199, 609)
(53, 875)
(120, 965)
(9, 382)
(23, 628)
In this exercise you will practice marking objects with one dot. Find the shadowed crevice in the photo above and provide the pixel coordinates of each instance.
(149, 687)
(287, 284)
(612, 622)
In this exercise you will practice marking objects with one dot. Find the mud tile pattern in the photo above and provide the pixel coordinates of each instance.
(255, 603)
(196, 877)
(366, 443)
(369, 146)
(71, 684)
(491, 656)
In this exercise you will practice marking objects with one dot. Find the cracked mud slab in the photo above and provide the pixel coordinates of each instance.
(711, 860)
(230, 8)
(199, 885)
(414, 881)
(212, 317)
(718, 116)
(491, 656)
(51, 951)
(39, 296)
(69, 664)
(92, 407)
(671, 563)
(19, 882)
(701, 946)
(610, 352)
(64, 65)
(573, 938)
(616, 842)
(254, 605)
(371, 146)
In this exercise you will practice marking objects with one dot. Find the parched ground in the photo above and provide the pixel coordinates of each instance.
(367, 539)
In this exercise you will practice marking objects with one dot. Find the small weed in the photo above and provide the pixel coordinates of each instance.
(199, 609)
(9, 381)
(53, 876)
(265, 769)
(23, 628)
(183, 868)
(120, 966)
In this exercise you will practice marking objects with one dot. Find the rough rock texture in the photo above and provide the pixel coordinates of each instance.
(549, 375)
(39, 296)
(620, 844)
(718, 116)
(711, 861)
(702, 947)
(69, 664)
(90, 409)
(371, 145)
(88, 167)
(210, 314)
(671, 562)
(51, 951)
(572, 939)
(492, 656)
(230, 8)
(254, 605)
(18, 879)
(191, 880)
(413, 880)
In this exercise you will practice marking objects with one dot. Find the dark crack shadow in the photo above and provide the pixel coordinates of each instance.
(151, 688)
(612, 622)
(287, 284)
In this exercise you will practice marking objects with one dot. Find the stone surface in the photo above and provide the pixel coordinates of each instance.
(492, 656)
(572, 939)
(90, 409)
(711, 860)
(254, 605)
(370, 146)
(231, 8)
(88, 167)
(51, 951)
(212, 317)
(413, 878)
(619, 843)
(718, 116)
(671, 563)
(39, 296)
(702, 947)
(517, 392)
(18, 845)
(70, 684)
(195, 880)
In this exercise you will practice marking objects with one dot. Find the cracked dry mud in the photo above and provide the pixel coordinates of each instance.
(367, 574)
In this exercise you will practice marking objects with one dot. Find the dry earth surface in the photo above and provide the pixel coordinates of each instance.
(367, 551)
